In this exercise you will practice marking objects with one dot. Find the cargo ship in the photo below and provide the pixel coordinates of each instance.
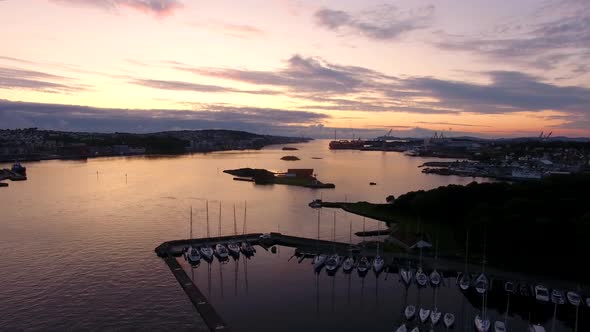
(347, 144)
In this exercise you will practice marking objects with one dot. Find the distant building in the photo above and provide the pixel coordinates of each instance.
(300, 172)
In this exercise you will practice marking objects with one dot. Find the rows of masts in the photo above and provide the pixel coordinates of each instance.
(222, 251)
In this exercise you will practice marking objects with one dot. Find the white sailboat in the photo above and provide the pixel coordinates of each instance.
(499, 326)
(424, 314)
(246, 248)
(363, 264)
(406, 275)
(482, 282)
(206, 250)
(557, 296)
(348, 263)
(435, 278)
(536, 328)
(378, 261)
(464, 280)
(541, 293)
(320, 259)
(402, 328)
(421, 277)
(415, 329)
(410, 312)
(220, 249)
(192, 254)
(435, 316)
(334, 261)
(449, 320)
(482, 324)
(574, 298)
(233, 246)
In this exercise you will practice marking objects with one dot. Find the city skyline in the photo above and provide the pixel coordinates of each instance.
(299, 67)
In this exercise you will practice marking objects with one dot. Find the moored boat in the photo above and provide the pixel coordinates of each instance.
(464, 281)
(406, 275)
(319, 261)
(449, 320)
(499, 326)
(482, 324)
(541, 293)
(378, 264)
(573, 298)
(333, 263)
(424, 314)
(524, 290)
(415, 329)
(402, 328)
(482, 283)
(421, 277)
(509, 287)
(435, 316)
(536, 328)
(193, 255)
(316, 203)
(207, 253)
(435, 278)
(221, 252)
(363, 265)
(19, 169)
(348, 264)
(410, 312)
(557, 296)
(234, 249)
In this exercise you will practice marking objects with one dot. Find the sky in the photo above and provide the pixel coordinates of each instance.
(297, 67)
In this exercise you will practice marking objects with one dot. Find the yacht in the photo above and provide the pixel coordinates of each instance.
(207, 253)
(424, 314)
(319, 261)
(435, 278)
(402, 328)
(482, 283)
(221, 252)
(449, 320)
(410, 312)
(421, 277)
(499, 326)
(509, 287)
(193, 255)
(524, 290)
(464, 281)
(234, 249)
(406, 275)
(316, 203)
(348, 264)
(435, 316)
(378, 264)
(482, 324)
(536, 328)
(332, 263)
(541, 293)
(363, 265)
(574, 298)
(557, 297)
(247, 249)
(415, 329)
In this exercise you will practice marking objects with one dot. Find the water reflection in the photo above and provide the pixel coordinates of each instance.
(340, 299)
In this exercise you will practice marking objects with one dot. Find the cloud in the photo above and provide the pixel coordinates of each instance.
(385, 22)
(558, 33)
(13, 78)
(158, 8)
(234, 30)
(82, 118)
(195, 87)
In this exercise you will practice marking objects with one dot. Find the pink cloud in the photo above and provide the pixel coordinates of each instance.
(159, 8)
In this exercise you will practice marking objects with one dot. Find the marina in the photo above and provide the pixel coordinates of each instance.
(309, 249)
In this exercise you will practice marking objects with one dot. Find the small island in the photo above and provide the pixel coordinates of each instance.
(293, 177)
(290, 158)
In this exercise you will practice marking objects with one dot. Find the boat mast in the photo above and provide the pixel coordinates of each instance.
(244, 227)
(207, 210)
(235, 224)
(334, 232)
(466, 251)
(191, 223)
(220, 218)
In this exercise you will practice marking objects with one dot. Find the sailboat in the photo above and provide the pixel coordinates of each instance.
(463, 279)
(334, 261)
(378, 262)
(406, 275)
(449, 320)
(363, 264)
(192, 254)
(557, 296)
(421, 278)
(402, 328)
(410, 312)
(233, 246)
(320, 259)
(348, 263)
(435, 316)
(221, 250)
(574, 298)
(246, 248)
(415, 329)
(434, 275)
(482, 282)
(482, 324)
(499, 326)
(206, 251)
(424, 314)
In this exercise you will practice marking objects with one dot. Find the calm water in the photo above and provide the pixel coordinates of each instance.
(77, 245)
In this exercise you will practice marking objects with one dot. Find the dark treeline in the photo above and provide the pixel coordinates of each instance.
(540, 226)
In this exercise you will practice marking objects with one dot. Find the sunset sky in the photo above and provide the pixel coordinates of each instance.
(489, 68)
